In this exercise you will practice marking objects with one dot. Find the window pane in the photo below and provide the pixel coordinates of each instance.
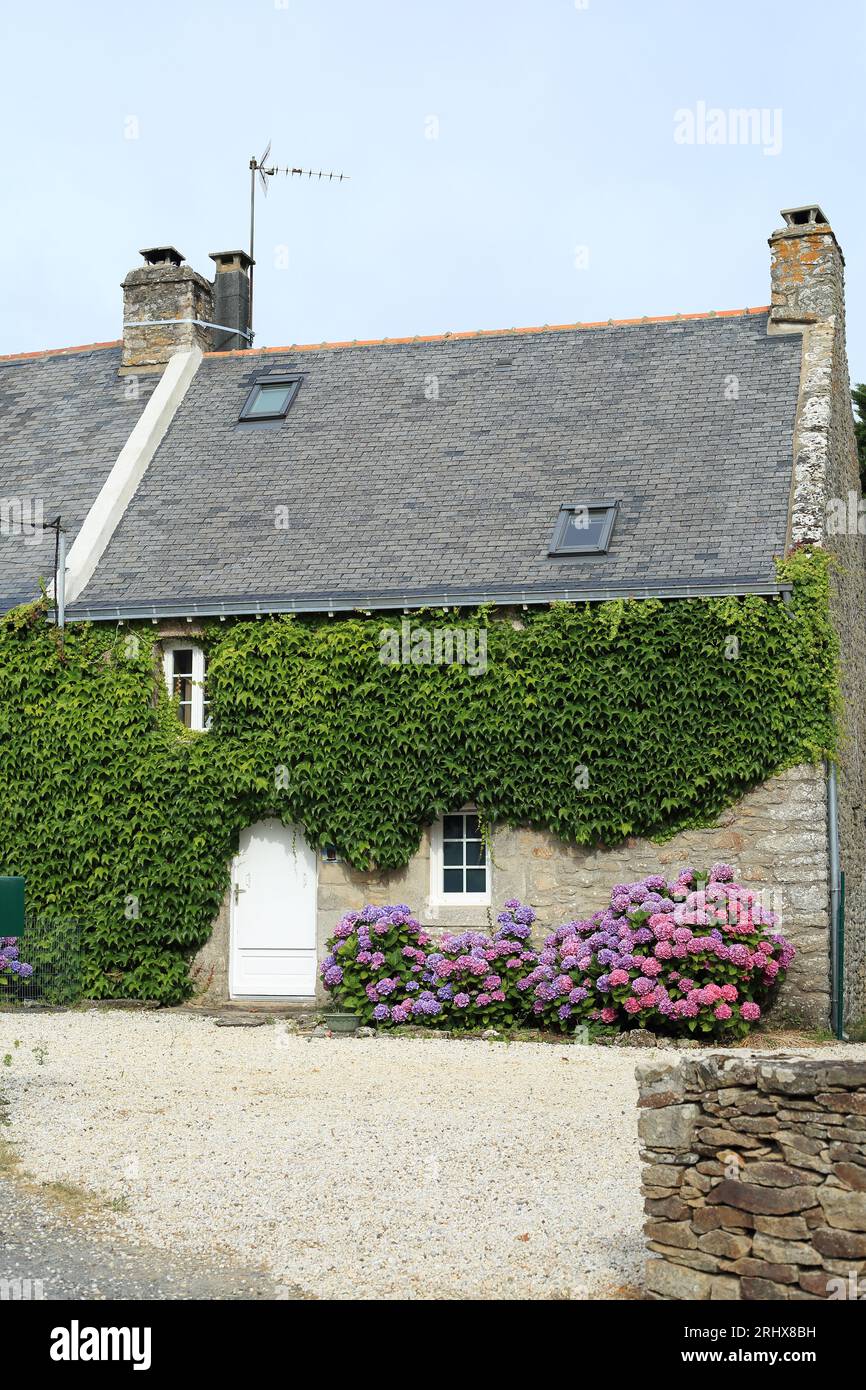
(475, 852)
(585, 525)
(452, 852)
(183, 689)
(472, 831)
(452, 880)
(269, 400)
(182, 659)
(476, 880)
(186, 715)
(452, 828)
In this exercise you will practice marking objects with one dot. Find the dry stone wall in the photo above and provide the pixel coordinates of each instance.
(754, 1178)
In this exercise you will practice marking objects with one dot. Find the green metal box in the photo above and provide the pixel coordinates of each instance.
(11, 906)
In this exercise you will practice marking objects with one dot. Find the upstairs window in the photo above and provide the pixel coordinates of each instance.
(270, 398)
(460, 872)
(184, 666)
(583, 528)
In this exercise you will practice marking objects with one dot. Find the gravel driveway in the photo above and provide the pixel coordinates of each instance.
(371, 1168)
(59, 1254)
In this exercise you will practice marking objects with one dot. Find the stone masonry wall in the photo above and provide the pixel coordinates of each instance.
(776, 836)
(848, 607)
(754, 1178)
(808, 297)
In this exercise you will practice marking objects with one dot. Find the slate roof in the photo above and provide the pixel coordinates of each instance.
(64, 417)
(440, 466)
(435, 469)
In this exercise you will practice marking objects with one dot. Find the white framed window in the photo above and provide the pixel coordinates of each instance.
(459, 862)
(184, 666)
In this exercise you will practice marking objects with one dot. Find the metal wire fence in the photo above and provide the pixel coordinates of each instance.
(44, 965)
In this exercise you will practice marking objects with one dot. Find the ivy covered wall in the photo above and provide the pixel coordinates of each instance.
(592, 722)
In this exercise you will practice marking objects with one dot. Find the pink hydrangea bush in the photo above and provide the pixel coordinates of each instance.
(695, 955)
(476, 976)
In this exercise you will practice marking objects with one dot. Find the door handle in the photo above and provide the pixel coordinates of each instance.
(238, 891)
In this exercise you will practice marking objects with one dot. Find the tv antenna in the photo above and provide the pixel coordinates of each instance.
(267, 171)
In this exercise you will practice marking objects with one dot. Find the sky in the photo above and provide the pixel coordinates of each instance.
(510, 164)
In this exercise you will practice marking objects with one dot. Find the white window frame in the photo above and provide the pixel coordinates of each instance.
(197, 716)
(438, 896)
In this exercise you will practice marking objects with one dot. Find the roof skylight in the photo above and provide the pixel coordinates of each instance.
(583, 528)
(270, 398)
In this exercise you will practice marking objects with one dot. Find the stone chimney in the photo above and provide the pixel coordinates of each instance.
(231, 299)
(165, 305)
(806, 270)
(808, 297)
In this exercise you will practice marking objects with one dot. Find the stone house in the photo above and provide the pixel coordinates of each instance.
(199, 478)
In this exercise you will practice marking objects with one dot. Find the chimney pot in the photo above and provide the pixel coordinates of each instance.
(807, 215)
(161, 255)
(230, 260)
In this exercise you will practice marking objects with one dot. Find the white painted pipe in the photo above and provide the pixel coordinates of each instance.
(60, 577)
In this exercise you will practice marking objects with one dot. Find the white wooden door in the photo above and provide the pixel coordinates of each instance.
(273, 914)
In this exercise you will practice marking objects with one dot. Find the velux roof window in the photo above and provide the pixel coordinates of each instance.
(583, 528)
(270, 398)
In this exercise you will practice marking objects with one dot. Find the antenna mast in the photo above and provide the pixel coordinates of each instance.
(265, 171)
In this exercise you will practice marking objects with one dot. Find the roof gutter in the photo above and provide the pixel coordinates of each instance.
(262, 605)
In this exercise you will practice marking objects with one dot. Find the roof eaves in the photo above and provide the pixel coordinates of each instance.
(355, 601)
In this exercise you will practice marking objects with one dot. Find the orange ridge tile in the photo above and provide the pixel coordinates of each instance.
(418, 338)
(493, 332)
(58, 352)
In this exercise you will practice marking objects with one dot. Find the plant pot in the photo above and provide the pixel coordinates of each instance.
(341, 1023)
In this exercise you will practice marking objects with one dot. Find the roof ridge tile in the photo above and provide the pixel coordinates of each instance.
(451, 336)
(58, 352)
